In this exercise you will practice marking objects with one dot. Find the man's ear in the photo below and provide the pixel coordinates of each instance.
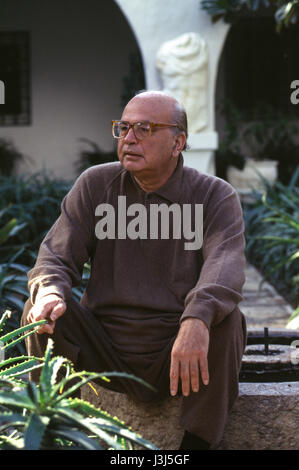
(179, 144)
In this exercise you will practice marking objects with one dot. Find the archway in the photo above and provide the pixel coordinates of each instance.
(80, 61)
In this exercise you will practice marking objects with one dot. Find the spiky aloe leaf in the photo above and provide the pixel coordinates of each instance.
(33, 393)
(9, 336)
(11, 419)
(11, 443)
(3, 319)
(12, 360)
(45, 378)
(5, 382)
(125, 433)
(35, 431)
(86, 426)
(75, 436)
(55, 365)
(18, 399)
(88, 410)
(90, 376)
(21, 369)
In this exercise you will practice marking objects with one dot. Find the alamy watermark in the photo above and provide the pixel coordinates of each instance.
(2, 352)
(112, 225)
(295, 353)
(295, 94)
(2, 92)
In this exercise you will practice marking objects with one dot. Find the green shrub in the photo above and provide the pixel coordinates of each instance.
(44, 416)
(34, 202)
(93, 155)
(272, 232)
(10, 157)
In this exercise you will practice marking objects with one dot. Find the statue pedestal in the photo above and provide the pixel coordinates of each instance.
(201, 152)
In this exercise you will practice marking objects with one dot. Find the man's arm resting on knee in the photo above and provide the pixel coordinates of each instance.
(217, 292)
(49, 307)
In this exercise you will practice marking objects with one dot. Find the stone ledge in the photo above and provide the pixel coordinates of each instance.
(265, 417)
(158, 423)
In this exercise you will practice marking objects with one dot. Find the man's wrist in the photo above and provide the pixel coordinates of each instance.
(43, 296)
(193, 320)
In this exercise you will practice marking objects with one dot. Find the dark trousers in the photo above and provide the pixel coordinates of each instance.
(80, 337)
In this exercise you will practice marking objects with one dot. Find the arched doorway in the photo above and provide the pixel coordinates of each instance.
(82, 59)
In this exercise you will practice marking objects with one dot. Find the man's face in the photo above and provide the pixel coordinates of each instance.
(153, 155)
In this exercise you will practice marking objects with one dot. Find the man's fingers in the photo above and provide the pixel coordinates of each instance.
(58, 310)
(50, 310)
(46, 328)
(204, 369)
(185, 377)
(174, 376)
(194, 373)
(39, 312)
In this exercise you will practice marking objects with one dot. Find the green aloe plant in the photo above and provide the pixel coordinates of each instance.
(45, 416)
(41, 416)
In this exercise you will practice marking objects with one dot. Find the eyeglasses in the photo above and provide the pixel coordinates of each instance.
(141, 129)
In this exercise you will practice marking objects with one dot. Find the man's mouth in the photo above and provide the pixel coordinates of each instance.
(132, 154)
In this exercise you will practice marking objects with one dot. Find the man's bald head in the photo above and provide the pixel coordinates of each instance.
(177, 111)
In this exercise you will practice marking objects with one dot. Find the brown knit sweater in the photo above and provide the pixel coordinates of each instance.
(141, 289)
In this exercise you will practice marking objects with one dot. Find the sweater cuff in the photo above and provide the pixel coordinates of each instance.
(205, 313)
(44, 291)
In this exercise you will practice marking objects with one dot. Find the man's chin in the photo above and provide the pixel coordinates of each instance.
(133, 163)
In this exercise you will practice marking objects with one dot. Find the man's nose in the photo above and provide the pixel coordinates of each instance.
(130, 137)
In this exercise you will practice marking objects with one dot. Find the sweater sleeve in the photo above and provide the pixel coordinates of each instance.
(66, 247)
(219, 287)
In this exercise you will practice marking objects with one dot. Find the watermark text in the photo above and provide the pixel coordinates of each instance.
(2, 92)
(157, 226)
(295, 94)
(2, 352)
(295, 353)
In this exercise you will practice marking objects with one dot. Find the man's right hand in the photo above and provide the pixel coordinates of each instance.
(50, 308)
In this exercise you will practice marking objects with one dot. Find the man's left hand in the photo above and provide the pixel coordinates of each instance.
(189, 356)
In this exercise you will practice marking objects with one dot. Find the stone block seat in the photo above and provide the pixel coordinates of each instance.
(265, 416)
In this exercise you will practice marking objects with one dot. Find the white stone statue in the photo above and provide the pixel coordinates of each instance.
(183, 64)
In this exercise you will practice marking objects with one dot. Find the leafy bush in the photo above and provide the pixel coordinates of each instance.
(34, 202)
(93, 156)
(44, 416)
(10, 157)
(285, 11)
(272, 231)
(13, 281)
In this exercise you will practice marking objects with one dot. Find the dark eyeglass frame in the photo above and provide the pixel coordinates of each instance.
(151, 124)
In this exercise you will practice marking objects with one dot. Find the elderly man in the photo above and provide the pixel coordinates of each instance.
(155, 306)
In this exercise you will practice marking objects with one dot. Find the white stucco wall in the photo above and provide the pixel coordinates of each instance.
(79, 55)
